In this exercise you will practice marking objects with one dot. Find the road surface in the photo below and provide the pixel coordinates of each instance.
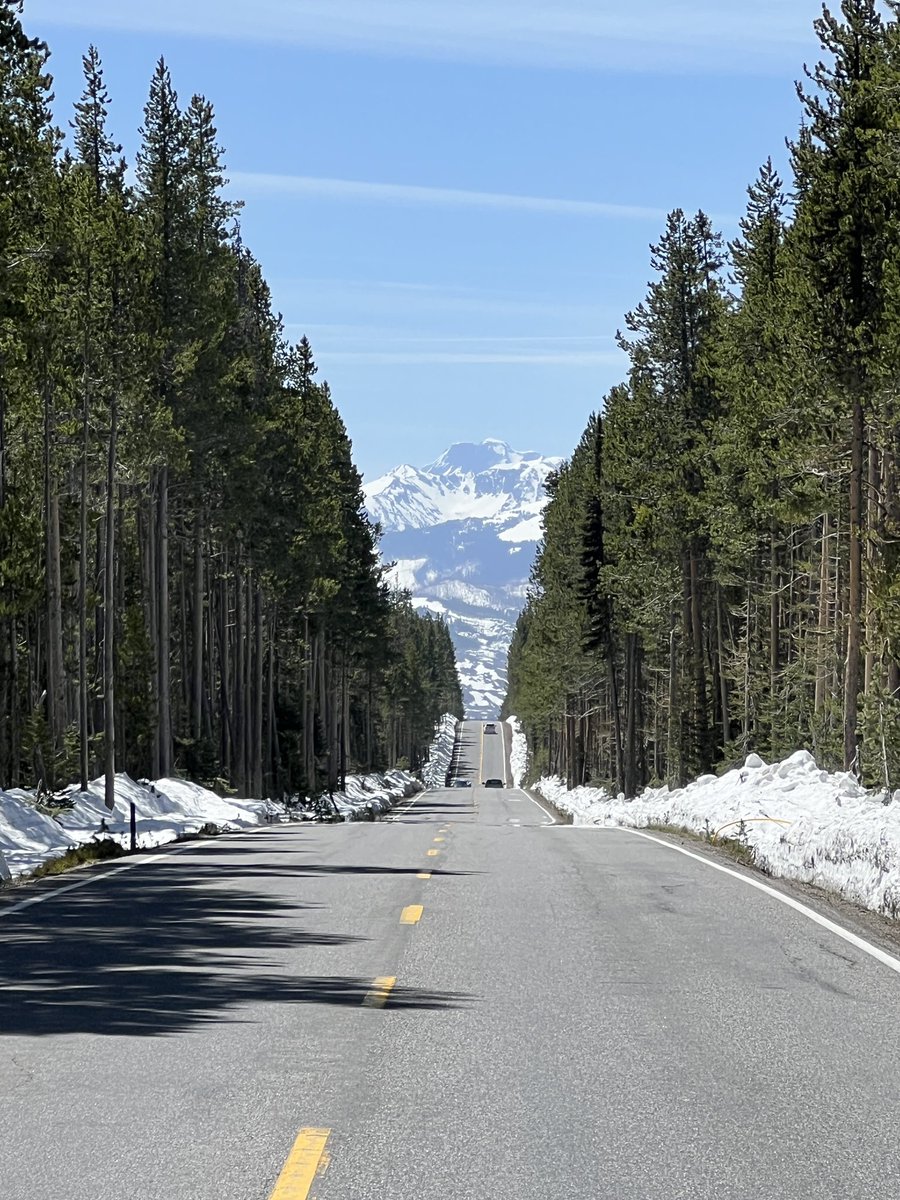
(463, 1001)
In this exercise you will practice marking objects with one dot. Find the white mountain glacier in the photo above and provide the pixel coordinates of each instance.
(461, 534)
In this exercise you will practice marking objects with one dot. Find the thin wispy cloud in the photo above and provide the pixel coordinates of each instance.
(390, 358)
(652, 35)
(365, 192)
(376, 346)
(414, 301)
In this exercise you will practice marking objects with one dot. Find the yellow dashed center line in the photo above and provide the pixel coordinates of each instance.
(304, 1162)
(431, 853)
(378, 996)
(438, 839)
(424, 875)
(412, 914)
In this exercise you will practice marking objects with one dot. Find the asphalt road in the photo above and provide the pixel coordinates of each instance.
(575, 1013)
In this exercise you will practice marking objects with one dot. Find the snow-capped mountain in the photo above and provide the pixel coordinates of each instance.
(462, 534)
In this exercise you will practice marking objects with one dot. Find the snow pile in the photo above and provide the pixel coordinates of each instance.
(518, 754)
(441, 752)
(367, 796)
(28, 837)
(799, 822)
(164, 811)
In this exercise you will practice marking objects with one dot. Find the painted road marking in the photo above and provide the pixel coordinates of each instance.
(548, 820)
(403, 811)
(424, 875)
(438, 839)
(380, 991)
(882, 956)
(303, 1164)
(412, 914)
(481, 760)
(432, 853)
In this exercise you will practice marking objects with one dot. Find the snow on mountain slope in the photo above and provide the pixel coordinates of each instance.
(462, 533)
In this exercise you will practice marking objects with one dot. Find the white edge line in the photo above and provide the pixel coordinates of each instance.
(548, 820)
(129, 866)
(882, 956)
(403, 811)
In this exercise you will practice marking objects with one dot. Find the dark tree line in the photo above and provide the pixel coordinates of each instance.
(720, 568)
(188, 579)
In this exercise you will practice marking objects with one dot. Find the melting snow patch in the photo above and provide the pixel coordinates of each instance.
(441, 752)
(518, 754)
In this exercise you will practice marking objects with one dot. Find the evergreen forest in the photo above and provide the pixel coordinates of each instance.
(720, 564)
(188, 579)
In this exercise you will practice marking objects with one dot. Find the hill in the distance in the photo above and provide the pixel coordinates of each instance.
(462, 533)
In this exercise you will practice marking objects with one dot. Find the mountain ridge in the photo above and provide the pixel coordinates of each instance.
(461, 534)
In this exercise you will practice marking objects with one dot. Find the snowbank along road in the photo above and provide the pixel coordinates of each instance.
(464, 1001)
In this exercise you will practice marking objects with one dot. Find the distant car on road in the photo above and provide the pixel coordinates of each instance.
(494, 783)
(462, 782)
(490, 727)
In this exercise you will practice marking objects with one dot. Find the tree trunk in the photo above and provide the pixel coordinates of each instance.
(855, 606)
(109, 617)
(55, 661)
(822, 655)
(258, 697)
(673, 729)
(239, 716)
(875, 510)
(165, 675)
(723, 678)
(197, 635)
(83, 762)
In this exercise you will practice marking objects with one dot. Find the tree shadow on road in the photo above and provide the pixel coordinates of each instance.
(157, 951)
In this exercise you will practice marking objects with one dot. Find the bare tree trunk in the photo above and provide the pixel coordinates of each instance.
(673, 730)
(248, 682)
(632, 686)
(84, 766)
(197, 634)
(824, 608)
(55, 660)
(774, 634)
(258, 697)
(723, 679)
(239, 773)
(875, 510)
(345, 725)
(151, 571)
(306, 705)
(855, 607)
(273, 783)
(165, 672)
(109, 617)
(699, 667)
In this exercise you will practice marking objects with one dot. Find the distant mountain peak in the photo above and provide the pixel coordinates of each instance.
(472, 457)
(461, 533)
(484, 481)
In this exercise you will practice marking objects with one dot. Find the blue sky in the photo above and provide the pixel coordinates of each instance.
(454, 199)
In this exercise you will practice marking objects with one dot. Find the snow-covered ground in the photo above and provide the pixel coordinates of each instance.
(518, 752)
(165, 811)
(798, 821)
(441, 752)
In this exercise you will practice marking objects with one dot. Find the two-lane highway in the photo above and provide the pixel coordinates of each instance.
(463, 1001)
